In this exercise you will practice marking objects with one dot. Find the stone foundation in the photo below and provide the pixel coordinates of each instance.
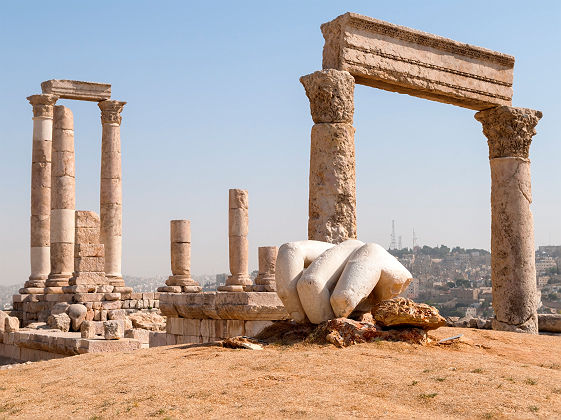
(37, 307)
(211, 316)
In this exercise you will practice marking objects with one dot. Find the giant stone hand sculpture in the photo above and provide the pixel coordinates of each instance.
(319, 281)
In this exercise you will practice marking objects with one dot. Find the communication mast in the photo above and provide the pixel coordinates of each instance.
(414, 239)
(393, 243)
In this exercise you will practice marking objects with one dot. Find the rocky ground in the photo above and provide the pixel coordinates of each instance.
(488, 374)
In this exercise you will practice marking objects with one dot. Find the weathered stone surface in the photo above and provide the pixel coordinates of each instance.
(59, 308)
(59, 322)
(88, 329)
(75, 89)
(89, 250)
(86, 219)
(143, 336)
(343, 332)
(405, 60)
(3, 317)
(112, 330)
(509, 132)
(92, 264)
(180, 231)
(549, 323)
(332, 187)
(331, 95)
(401, 312)
(148, 321)
(11, 324)
(77, 314)
(265, 280)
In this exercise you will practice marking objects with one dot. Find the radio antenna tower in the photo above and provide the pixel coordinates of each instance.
(414, 239)
(393, 243)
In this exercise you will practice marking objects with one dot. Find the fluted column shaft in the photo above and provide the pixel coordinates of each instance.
(509, 132)
(332, 188)
(63, 199)
(111, 189)
(41, 189)
(237, 242)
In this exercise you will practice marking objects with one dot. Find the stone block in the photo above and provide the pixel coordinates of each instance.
(110, 346)
(138, 334)
(105, 288)
(252, 328)
(87, 278)
(11, 324)
(88, 329)
(157, 338)
(109, 305)
(112, 330)
(89, 250)
(64, 297)
(94, 264)
(112, 296)
(75, 89)
(235, 327)
(87, 235)
(88, 297)
(549, 323)
(191, 327)
(115, 314)
(174, 326)
(404, 60)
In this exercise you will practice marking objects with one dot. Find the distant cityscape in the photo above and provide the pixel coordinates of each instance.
(455, 280)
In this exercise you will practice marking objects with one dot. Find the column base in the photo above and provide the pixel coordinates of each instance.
(272, 287)
(34, 283)
(181, 280)
(115, 280)
(528, 327)
(32, 291)
(58, 280)
(232, 288)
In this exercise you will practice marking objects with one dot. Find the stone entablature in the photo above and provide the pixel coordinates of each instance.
(405, 60)
(75, 89)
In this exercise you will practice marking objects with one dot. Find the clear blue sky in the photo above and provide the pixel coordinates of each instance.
(214, 102)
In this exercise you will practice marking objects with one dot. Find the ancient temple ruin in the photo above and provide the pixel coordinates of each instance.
(360, 49)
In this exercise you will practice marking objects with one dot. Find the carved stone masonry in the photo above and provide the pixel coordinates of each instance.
(332, 195)
(513, 273)
(509, 130)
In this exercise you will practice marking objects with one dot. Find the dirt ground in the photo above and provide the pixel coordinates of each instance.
(490, 375)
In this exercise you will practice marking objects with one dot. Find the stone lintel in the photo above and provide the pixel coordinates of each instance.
(75, 89)
(405, 60)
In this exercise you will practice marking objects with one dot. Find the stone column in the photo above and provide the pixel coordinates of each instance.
(63, 200)
(238, 246)
(513, 272)
(180, 238)
(265, 280)
(332, 194)
(111, 191)
(40, 190)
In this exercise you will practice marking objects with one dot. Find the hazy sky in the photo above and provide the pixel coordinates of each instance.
(214, 102)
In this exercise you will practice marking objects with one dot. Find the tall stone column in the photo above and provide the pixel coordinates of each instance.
(513, 270)
(63, 200)
(238, 246)
(41, 190)
(180, 238)
(111, 205)
(332, 189)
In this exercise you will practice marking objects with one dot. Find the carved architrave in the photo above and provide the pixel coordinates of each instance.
(111, 111)
(509, 130)
(43, 105)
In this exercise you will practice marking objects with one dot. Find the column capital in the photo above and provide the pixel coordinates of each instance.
(42, 104)
(509, 130)
(111, 111)
(331, 95)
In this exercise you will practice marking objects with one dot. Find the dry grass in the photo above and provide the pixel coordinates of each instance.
(490, 375)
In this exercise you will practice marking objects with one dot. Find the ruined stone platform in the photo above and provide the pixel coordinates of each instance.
(34, 345)
(210, 316)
